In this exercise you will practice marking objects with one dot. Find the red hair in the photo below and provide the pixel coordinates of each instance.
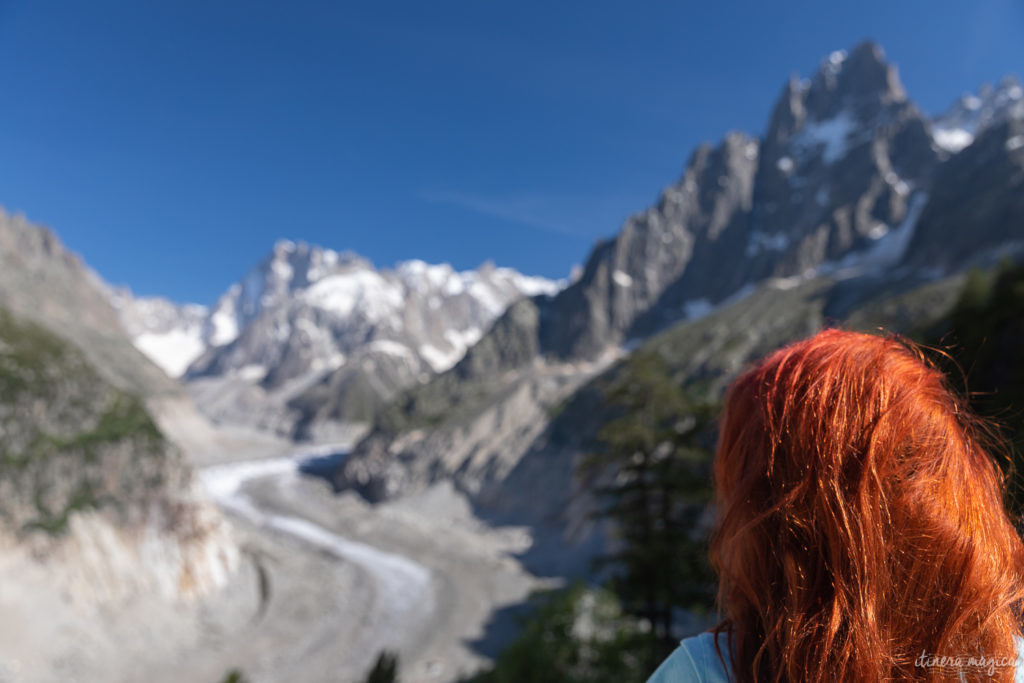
(860, 519)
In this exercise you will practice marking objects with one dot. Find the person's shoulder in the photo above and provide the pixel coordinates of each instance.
(1018, 673)
(695, 660)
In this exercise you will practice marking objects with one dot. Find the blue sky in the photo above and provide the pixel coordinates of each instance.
(171, 143)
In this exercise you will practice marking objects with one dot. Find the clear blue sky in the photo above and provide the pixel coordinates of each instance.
(171, 143)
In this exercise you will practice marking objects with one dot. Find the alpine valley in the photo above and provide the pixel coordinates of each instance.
(444, 413)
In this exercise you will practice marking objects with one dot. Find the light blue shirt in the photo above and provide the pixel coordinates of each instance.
(696, 661)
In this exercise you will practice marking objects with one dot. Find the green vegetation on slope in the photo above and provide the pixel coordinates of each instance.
(984, 337)
(235, 676)
(654, 465)
(385, 669)
(677, 377)
(576, 635)
(649, 466)
(31, 358)
(71, 441)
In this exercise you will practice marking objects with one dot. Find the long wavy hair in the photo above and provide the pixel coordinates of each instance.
(861, 527)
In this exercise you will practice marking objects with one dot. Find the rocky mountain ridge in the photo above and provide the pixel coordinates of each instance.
(312, 335)
(846, 200)
(845, 169)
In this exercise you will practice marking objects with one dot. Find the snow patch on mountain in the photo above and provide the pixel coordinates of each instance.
(170, 334)
(830, 136)
(952, 139)
(891, 243)
(391, 348)
(760, 241)
(173, 351)
(696, 309)
(374, 296)
(622, 278)
(835, 61)
(959, 125)
(223, 327)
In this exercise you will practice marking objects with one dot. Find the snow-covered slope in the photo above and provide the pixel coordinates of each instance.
(973, 113)
(171, 334)
(308, 308)
(305, 313)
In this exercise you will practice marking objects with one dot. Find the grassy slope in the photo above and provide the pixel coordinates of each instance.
(70, 440)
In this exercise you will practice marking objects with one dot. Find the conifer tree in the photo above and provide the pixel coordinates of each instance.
(654, 461)
(385, 670)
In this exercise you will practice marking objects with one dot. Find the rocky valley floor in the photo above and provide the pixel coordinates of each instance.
(326, 583)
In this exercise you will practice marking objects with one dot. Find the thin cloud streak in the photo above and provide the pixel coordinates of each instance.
(575, 216)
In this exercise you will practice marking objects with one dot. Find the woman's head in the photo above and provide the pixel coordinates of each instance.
(861, 520)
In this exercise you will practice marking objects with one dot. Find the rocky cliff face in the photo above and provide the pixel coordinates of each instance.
(849, 200)
(842, 156)
(626, 277)
(89, 484)
(837, 169)
(87, 476)
(977, 202)
(41, 281)
(840, 177)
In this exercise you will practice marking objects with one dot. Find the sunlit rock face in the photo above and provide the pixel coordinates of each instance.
(839, 177)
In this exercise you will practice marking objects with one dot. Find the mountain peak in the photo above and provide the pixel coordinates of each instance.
(285, 246)
(860, 81)
(867, 69)
(304, 308)
(852, 93)
(868, 52)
